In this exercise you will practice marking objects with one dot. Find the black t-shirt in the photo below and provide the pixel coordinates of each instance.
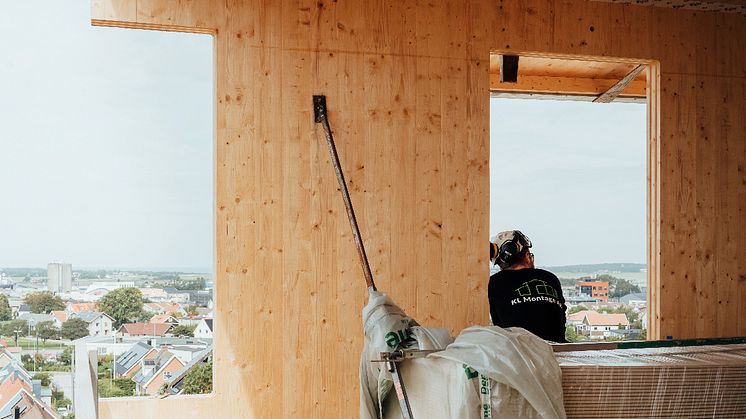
(528, 298)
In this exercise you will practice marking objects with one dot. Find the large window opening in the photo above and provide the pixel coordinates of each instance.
(107, 209)
(571, 174)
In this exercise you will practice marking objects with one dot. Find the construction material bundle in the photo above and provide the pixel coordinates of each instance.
(676, 382)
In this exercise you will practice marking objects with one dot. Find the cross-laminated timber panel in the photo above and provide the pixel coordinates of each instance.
(407, 85)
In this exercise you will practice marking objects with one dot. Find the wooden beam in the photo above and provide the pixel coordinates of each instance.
(614, 91)
(565, 86)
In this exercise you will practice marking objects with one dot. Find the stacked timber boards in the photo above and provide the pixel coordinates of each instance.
(675, 382)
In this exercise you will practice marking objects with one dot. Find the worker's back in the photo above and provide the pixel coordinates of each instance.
(528, 298)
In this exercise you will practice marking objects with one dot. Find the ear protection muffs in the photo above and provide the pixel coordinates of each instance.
(511, 249)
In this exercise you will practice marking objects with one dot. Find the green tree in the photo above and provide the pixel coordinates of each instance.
(44, 377)
(74, 328)
(5, 311)
(47, 330)
(44, 302)
(570, 334)
(184, 330)
(618, 287)
(123, 305)
(198, 380)
(191, 310)
(9, 328)
(126, 385)
(66, 357)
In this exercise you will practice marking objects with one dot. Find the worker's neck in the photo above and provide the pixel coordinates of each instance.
(522, 265)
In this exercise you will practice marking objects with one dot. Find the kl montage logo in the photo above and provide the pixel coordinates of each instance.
(535, 290)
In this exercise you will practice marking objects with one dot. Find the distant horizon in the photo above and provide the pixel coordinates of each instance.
(166, 269)
(169, 269)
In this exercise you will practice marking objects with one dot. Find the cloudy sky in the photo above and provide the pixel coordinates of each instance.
(106, 153)
(572, 177)
(105, 141)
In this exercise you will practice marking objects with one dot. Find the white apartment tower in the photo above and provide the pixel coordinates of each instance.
(59, 277)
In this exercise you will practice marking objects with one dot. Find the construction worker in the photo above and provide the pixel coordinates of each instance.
(521, 295)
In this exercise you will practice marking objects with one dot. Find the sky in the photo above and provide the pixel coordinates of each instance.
(106, 142)
(106, 153)
(572, 177)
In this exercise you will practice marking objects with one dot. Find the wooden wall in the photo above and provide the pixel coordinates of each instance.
(407, 85)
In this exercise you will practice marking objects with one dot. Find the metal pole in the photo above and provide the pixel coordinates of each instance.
(320, 116)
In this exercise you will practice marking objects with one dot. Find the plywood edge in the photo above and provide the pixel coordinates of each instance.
(186, 406)
(654, 200)
(575, 57)
(565, 86)
(151, 26)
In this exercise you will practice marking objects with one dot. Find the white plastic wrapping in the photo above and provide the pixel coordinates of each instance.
(511, 368)
(387, 328)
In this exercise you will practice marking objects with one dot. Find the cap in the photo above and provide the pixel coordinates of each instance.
(506, 245)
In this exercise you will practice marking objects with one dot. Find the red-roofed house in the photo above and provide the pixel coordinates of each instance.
(173, 309)
(78, 307)
(17, 393)
(60, 317)
(598, 325)
(164, 318)
(144, 329)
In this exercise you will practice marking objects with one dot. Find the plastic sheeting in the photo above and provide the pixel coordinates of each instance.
(512, 369)
(388, 328)
(677, 382)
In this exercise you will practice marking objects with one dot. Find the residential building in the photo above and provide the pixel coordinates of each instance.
(154, 294)
(109, 345)
(33, 319)
(60, 316)
(23, 309)
(164, 318)
(204, 329)
(59, 277)
(636, 300)
(99, 324)
(598, 325)
(78, 307)
(174, 309)
(595, 289)
(102, 288)
(155, 371)
(17, 396)
(128, 363)
(144, 329)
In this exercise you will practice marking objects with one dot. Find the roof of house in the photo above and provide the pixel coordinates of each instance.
(208, 322)
(78, 307)
(89, 316)
(635, 296)
(579, 316)
(163, 318)
(14, 349)
(15, 371)
(10, 387)
(160, 360)
(24, 307)
(59, 315)
(145, 329)
(35, 318)
(3, 343)
(602, 319)
(163, 364)
(128, 359)
(15, 395)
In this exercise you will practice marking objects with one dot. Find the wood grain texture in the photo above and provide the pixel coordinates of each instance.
(408, 90)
